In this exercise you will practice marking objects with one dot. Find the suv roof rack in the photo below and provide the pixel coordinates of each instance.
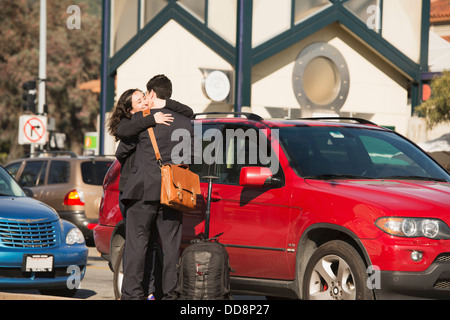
(249, 115)
(51, 154)
(357, 120)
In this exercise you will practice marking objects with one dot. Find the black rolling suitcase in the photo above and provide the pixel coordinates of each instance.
(204, 272)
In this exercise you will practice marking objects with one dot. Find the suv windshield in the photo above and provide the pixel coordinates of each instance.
(329, 152)
(8, 186)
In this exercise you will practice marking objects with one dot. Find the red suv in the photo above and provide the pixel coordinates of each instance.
(314, 209)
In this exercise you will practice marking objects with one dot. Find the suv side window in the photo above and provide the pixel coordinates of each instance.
(208, 133)
(243, 147)
(33, 174)
(59, 172)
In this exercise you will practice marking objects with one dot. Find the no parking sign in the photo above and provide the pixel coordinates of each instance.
(32, 129)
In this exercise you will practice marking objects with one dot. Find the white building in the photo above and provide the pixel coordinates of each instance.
(284, 58)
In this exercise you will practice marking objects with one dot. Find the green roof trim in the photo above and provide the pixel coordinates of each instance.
(174, 12)
(336, 13)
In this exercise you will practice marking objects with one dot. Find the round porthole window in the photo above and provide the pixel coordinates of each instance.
(320, 79)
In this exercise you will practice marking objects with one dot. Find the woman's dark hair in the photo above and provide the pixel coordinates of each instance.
(122, 110)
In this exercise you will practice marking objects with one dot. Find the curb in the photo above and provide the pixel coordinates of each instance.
(23, 296)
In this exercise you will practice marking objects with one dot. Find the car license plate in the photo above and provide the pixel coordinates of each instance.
(37, 263)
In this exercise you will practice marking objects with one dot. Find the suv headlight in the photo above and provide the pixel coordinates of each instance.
(74, 236)
(414, 227)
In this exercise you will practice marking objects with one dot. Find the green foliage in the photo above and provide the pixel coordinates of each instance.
(73, 57)
(436, 110)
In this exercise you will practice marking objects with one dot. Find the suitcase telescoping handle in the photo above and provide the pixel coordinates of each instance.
(208, 203)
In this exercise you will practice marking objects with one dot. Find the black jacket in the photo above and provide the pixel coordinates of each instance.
(144, 180)
(128, 130)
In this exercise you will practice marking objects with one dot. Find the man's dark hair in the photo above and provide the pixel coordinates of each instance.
(161, 85)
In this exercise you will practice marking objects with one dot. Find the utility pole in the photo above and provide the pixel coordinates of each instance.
(107, 83)
(42, 63)
(243, 62)
(42, 57)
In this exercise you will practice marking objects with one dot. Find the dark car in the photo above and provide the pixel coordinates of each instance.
(38, 250)
(314, 209)
(70, 184)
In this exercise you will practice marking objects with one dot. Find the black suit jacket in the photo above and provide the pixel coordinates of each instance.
(144, 181)
(128, 130)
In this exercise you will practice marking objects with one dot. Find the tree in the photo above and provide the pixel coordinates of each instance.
(73, 57)
(436, 110)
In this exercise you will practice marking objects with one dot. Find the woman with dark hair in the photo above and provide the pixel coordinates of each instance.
(130, 102)
(147, 220)
(121, 127)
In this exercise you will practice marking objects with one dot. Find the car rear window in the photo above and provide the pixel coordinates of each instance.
(93, 172)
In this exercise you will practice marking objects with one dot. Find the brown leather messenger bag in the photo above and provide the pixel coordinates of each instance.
(179, 185)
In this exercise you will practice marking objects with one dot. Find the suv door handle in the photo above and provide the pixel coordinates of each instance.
(215, 196)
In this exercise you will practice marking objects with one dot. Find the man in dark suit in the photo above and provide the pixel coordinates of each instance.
(141, 197)
(127, 131)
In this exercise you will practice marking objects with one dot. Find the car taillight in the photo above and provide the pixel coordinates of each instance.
(91, 226)
(74, 198)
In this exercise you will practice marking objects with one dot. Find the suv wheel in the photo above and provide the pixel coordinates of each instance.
(118, 274)
(336, 272)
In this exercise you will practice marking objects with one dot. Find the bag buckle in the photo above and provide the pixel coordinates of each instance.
(180, 192)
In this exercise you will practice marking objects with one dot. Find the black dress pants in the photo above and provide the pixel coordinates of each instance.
(145, 220)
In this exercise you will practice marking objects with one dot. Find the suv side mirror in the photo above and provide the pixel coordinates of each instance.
(255, 177)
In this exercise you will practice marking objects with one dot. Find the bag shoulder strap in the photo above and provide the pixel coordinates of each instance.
(151, 133)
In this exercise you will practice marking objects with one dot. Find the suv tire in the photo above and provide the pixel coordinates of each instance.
(336, 271)
(118, 274)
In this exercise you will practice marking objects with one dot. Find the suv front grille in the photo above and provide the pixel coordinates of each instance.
(28, 235)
